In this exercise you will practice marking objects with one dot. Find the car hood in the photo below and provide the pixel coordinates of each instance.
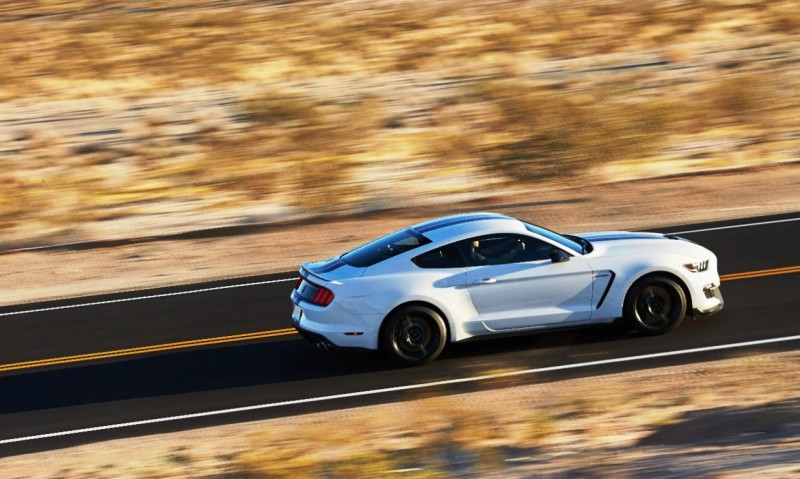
(332, 269)
(626, 243)
(621, 236)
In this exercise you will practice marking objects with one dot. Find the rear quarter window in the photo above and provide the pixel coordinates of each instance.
(384, 248)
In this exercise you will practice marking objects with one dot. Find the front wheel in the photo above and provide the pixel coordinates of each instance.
(655, 305)
(413, 335)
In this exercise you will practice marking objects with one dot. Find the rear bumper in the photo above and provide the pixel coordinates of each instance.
(327, 330)
(319, 341)
(324, 344)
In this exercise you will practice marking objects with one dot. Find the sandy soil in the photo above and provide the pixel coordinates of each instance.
(37, 275)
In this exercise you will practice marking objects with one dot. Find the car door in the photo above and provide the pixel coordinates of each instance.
(520, 282)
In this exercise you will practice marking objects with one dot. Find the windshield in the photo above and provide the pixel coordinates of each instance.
(562, 240)
(384, 248)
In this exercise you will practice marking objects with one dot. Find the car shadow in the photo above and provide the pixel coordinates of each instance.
(225, 367)
(286, 369)
(530, 344)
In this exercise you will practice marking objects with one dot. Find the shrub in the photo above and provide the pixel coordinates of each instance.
(557, 134)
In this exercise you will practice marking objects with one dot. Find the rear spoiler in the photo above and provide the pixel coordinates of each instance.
(306, 274)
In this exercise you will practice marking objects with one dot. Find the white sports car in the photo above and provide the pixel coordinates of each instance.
(475, 275)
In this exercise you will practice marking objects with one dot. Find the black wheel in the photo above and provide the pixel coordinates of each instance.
(413, 335)
(655, 305)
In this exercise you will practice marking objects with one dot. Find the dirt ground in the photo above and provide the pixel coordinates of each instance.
(30, 276)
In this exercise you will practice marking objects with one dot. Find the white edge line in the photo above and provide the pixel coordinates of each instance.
(745, 225)
(372, 392)
(152, 296)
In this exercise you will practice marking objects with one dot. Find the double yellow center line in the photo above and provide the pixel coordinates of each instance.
(194, 343)
(761, 273)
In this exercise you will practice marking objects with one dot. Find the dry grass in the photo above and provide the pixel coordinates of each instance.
(322, 107)
(218, 42)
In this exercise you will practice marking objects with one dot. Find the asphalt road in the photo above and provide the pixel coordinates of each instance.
(90, 369)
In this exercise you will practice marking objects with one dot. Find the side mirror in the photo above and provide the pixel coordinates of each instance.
(559, 256)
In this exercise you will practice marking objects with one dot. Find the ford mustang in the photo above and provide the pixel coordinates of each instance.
(476, 275)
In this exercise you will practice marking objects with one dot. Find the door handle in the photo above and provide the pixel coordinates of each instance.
(486, 281)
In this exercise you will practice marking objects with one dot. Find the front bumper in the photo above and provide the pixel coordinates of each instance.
(713, 302)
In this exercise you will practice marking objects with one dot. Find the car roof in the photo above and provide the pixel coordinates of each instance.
(451, 227)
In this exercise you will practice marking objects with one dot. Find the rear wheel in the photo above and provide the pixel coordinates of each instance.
(655, 305)
(413, 335)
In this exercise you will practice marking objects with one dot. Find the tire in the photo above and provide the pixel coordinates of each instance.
(413, 335)
(655, 305)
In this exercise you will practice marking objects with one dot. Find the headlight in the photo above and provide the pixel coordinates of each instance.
(697, 266)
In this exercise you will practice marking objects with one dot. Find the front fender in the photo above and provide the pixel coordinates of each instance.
(628, 275)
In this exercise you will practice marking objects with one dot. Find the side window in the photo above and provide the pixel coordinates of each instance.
(506, 248)
(444, 257)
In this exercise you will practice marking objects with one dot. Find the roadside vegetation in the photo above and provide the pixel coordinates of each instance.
(116, 109)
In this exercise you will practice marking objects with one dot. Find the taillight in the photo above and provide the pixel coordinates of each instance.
(322, 297)
(298, 282)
